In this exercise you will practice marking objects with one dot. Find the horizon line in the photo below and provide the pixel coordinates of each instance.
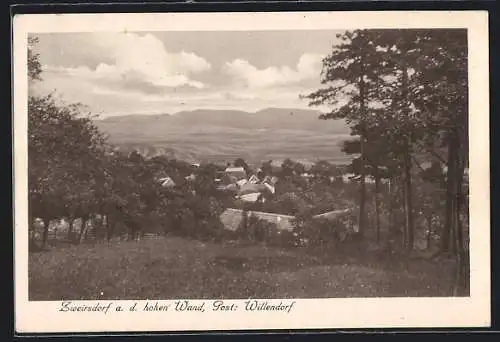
(108, 115)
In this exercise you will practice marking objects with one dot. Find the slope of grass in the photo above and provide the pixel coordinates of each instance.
(178, 268)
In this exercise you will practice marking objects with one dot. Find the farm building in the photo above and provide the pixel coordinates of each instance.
(242, 182)
(191, 177)
(237, 172)
(252, 197)
(251, 188)
(331, 214)
(231, 218)
(253, 179)
(167, 182)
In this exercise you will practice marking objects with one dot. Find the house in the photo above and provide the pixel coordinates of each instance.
(307, 175)
(191, 177)
(249, 188)
(270, 180)
(231, 219)
(270, 187)
(241, 182)
(331, 214)
(229, 187)
(253, 179)
(167, 182)
(370, 179)
(251, 197)
(238, 172)
(349, 177)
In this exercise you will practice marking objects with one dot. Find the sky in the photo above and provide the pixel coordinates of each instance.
(120, 73)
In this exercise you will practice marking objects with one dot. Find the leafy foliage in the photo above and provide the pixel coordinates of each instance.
(404, 93)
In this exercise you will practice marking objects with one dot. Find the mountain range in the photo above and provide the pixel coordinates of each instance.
(224, 135)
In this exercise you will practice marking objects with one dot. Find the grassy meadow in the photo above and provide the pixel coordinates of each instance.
(172, 267)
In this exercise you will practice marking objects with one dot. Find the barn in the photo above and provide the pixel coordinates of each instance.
(231, 219)
(237, 172)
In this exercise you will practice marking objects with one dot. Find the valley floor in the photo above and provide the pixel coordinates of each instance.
(172, 268)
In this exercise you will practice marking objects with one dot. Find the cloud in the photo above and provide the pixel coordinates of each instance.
(244, 73)
(117, 73)
(138, 62)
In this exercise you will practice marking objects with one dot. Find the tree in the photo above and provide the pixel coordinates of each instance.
(376, 160)
(240, 162)
(64, 147)
(266, 168)
(405, 90)
(34, 66)
(431, 195)
(322, 170)
(428, 80)
(349, 73)
(444, 98)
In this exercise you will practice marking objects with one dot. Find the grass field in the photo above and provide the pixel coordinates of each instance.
(178, 268)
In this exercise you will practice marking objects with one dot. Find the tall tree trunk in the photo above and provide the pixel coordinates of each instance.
(31, 219)
(362, 108)
(83, 228)
(31, 226)
(408, 199)
(362, 200)
(405, 210)
(407, 161)
(377, 202)
(46, 223)
(453, 233)
(98, 226)
(85, 236)
(450, 178)
(392, 223)
(461, 282)
(429, 230)
(71, 225)
(109, 227)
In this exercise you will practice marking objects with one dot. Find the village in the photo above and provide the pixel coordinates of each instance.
(252, 193)
(256, 187)
(248, 190)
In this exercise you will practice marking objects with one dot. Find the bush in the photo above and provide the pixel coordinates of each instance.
(283, 238)
(319, 231)
(256, 230)
(253, 228)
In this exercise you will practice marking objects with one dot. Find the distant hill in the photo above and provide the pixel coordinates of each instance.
(223, 135)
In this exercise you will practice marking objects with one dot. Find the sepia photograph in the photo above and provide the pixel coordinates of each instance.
(247, 165)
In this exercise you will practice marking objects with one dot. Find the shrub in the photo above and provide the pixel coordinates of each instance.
(253, 228)
(318, 231)
(283, 238)
(256, 230)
